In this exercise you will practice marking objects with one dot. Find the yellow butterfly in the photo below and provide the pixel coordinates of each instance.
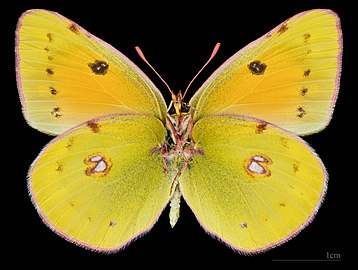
(232, 152)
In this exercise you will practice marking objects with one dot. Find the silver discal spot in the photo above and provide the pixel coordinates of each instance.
(101, 165)
(98, 165)
(257, 165)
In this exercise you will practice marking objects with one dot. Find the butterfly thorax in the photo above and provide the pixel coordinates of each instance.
(177, 150)
(178, 147)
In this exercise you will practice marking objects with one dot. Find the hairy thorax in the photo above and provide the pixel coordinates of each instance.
(177, 151)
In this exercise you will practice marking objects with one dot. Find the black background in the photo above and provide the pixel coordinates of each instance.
(177, 37)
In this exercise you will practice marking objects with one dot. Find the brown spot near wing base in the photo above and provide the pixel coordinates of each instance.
(282, 204)
(95, 127)
(73, 28)
(260, 128)
(283, 28)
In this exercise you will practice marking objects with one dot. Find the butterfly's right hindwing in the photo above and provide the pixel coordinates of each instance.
(254, 186)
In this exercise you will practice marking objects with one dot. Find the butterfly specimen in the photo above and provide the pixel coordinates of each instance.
(232, 152)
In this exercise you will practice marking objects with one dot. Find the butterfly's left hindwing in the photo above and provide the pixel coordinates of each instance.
(98, 185)
(254, 186)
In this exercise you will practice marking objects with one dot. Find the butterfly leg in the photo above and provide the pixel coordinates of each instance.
(165, 153)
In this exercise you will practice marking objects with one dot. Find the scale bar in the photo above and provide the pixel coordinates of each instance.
(306, 260)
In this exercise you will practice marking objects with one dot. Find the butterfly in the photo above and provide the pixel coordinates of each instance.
(233, 152)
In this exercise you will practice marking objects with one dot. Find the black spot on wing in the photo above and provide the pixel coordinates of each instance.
(59, 166)
(50, 37)
(53, 91)
(301, 112)
(295, 167)
(243, 225)
(257, 67)
(303, 91)
(306, 37)
(99, 67)
(306, 73)
(49, 71)
(112, 224)
(56, 112)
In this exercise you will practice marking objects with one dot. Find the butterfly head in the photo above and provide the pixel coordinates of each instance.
(179, 107)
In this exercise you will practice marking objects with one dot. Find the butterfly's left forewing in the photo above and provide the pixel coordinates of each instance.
(254, 185)
(67, 76)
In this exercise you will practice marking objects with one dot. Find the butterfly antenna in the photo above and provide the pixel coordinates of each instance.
(139, 51)
(215, 50)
